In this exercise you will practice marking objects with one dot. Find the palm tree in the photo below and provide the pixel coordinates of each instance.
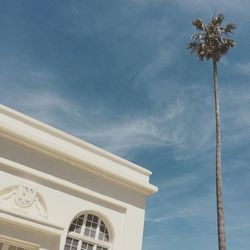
(211, 42)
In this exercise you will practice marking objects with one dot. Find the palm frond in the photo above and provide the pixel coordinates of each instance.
(199, 24)
(211, 40)
(229, 27)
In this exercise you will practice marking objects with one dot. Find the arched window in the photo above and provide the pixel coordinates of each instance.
(88, 232)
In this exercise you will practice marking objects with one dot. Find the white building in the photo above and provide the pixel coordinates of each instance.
(58, 192)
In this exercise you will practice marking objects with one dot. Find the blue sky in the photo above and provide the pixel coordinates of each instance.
(117, 74)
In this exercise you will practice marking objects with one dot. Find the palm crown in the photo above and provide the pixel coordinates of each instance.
(211, 42)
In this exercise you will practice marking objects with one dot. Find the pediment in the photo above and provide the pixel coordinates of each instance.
(23, 198)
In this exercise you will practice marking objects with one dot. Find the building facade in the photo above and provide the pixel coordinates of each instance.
(58, 192)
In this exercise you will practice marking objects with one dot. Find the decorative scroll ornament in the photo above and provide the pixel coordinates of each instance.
(24, 199)
(25, 195)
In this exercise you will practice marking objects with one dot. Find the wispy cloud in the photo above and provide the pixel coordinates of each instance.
(210, 7)
(235, 115)
(243, 68)
(119, 136)
(189, 209)
(184, 213)
(180, 182)
(179, 116)
(240, 227)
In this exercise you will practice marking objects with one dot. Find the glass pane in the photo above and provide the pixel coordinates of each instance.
(102, 229)
(71, 244)
(76, 225)
(75, 243)
(90, 247)
(72, 227)
(103, 235)
(84, 245)
(106, 238)
(92, 234)
(87, 246)
(90, 217)
(95, 219)
(78, 229)
(79, 221)
(86, 232)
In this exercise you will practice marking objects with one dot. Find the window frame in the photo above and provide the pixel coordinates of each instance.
(8, 241)
(88, 239)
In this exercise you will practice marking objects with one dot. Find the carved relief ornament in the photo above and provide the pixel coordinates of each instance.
(23, 198)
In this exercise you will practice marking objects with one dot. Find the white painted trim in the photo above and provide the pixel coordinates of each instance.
(9, 166)
(9, 217)
(35, 134)
(14, 241)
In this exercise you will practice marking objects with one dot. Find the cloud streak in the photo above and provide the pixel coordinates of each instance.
(243, 68)
(182, 123)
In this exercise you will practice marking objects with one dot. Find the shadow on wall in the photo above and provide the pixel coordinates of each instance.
(46, 241)
(54, 166)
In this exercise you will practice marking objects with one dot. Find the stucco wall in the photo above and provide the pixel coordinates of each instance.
(48, 178)
(122, 207)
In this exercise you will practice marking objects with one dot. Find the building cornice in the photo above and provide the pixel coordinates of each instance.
(59, 184)
(10, 217)
(37, 135)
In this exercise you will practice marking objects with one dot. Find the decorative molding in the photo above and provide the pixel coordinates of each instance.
(106, 201)
(12, 243)
(24, 199)
(20, 220)
(39, 136)
(25, 195)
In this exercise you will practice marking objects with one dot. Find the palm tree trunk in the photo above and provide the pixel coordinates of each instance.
(220, 216)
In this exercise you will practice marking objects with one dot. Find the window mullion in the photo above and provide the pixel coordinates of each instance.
(82, 232)
(5, 245)
(98, 228)
(83, 224)
(79, 245)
